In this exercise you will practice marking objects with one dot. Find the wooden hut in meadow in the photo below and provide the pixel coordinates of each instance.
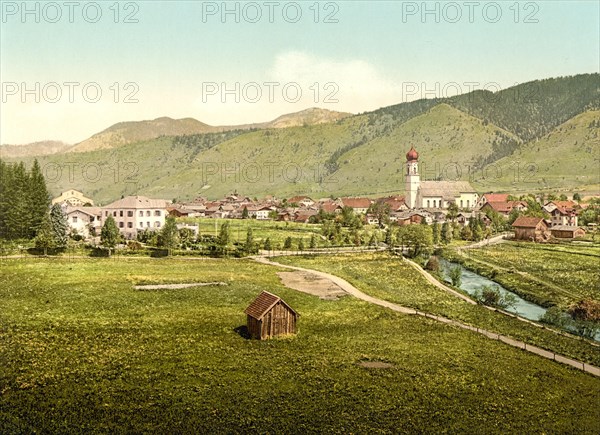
(269, 316)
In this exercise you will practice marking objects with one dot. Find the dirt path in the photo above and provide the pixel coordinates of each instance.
(350, 289)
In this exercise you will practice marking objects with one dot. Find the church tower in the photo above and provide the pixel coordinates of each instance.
(412, 178)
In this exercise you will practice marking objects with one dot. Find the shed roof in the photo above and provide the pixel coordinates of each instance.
(263, 303)
(527, 222)
(565, 228)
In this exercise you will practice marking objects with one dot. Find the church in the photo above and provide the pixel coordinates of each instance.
(435, 194)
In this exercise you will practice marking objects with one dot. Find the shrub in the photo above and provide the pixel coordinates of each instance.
(491, 296)
(433, 264)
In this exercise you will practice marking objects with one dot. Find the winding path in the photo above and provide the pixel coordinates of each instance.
(350, 289)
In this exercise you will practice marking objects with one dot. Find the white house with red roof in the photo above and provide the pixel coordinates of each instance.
(136, 213)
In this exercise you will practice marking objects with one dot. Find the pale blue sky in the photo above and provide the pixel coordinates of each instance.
(373, 52)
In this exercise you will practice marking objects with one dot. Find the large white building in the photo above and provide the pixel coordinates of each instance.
(73, 198)
(136, 213)
(435, 194)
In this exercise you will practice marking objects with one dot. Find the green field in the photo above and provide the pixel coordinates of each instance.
(82, 351)
(544, 274)
(261, 230)
(387, 277)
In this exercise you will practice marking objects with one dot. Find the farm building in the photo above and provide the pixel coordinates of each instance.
(269, 316)
(531, 229)
(566, 232)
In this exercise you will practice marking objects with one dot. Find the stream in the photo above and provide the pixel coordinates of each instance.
(471, 282)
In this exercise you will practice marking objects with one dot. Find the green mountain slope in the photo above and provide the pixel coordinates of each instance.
(362, 154)
(566, 158)
(124, 133)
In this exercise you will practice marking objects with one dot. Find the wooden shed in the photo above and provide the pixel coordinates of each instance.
(269, 316)
(566, 232)
(531, 229)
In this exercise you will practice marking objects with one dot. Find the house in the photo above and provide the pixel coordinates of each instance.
(301, 201)
(269, 316)
(531, 229)
(260, 212)
(330, 207)
(435, 194)
(562, 213)
(395, 203)
(503, 208)
(492, 197)
(372, 219)
(73, 198)
(411, 217)
(86, 221)
(303, 216)
(359, 205)
(136, 213)
(566, 232)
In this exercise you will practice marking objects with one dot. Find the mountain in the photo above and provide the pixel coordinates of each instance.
(33, 149)
(476, 137)
(135, 131)
(567, 156)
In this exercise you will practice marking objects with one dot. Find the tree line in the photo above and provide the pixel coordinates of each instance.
(24, 200)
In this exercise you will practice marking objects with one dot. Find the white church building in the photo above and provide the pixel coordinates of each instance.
(435, 194)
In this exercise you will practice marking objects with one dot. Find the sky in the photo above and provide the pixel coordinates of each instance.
(71, 69)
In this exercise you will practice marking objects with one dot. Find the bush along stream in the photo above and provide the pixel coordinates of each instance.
(489, 292)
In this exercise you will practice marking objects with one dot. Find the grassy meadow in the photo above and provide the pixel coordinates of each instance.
(389, 278)
(546, 274)
(83, 351)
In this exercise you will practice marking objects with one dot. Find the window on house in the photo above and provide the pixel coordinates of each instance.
(148, 224)
(120, 213)
(461, 203)
(74, 219)
(115, 213)
(468, 203)
(141, 213)
(148, 213)
(157, 224)
(157, 213)
(141, 224)
(129, 225)
(130, 213)
(121, 224)
(105, 213)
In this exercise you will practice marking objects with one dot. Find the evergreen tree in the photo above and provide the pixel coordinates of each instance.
(45, 236)
(300, 244)
(169, 235)
(38, 199)
(249, 245)
(436, 233)
(58, 221)
(109, 235)
(245, 213)
(16, 215)
(313, 242)
(224, 236)
(288, 243)
(267, 246)
(446, 235)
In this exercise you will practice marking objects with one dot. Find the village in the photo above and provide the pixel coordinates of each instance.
(531, 218)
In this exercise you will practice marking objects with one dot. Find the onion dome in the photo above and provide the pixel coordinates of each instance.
(412, 154)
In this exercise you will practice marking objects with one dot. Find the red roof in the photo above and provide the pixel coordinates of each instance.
(357, 202)
(527, 222)
(503, 206)
(329, 207)
(496, 197)
(412, 154)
